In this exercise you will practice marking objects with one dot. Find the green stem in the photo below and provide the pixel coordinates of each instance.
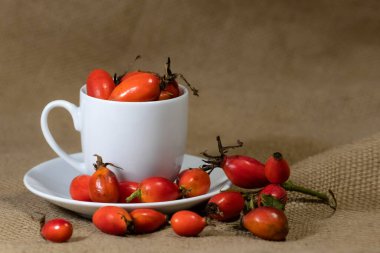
(135, 194)
(249, 201)
(290, 186)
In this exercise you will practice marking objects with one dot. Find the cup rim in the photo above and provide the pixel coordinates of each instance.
(183, 94)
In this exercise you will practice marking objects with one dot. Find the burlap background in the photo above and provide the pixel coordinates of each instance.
(297, 77)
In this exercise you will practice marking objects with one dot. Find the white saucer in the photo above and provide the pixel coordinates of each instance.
(51, 180)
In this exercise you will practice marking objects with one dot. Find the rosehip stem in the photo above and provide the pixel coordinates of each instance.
(135, 194)
(99, 163)
(290, 186)
(169, 76)
(224, 149)
(167, 68)
(117, 78)
(214, 161)
(249, 202)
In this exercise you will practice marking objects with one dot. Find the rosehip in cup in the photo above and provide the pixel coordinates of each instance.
(187, 223)
(165, 95)
(99, 84)
(57, 230)
(268, 223)
(140, 87)
(194, 182)
(113, 220)
(79, 188)
(277, 170)
(169, 83)
(242, 171)
(135, 86)
(143, 86)
(155, 189)
(103, 185)
(147, 220)
(225, 206)
(171, 90)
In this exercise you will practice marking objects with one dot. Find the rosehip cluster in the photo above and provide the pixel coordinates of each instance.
(261, 210)
(135, 86)
(103, 186)
(264, 210)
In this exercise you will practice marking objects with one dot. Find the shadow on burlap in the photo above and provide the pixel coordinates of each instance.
(351, 171)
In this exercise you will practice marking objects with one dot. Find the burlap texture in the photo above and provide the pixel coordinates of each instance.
(351, 171)
(290, 76)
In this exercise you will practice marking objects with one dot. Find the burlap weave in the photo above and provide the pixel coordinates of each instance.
(300, 77)
(351, 171)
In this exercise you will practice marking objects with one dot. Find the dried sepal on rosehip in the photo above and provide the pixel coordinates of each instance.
(243, 171)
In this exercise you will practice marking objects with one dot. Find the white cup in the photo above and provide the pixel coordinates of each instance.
(143, 138)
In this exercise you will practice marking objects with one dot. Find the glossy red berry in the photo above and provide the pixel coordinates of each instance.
(268, 223)
(99, 84)
(276, 192)
(57, 230)
(194, 182)
(140, 87)
(147, 220)
(79, 188)
(103, 184)
(155, 189)
(126, 188)
(277, 170)
(225, 206)
(187, 223)
(113, 220)
(244, 171)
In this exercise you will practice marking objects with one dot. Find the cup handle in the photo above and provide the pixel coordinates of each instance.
(74, 111)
